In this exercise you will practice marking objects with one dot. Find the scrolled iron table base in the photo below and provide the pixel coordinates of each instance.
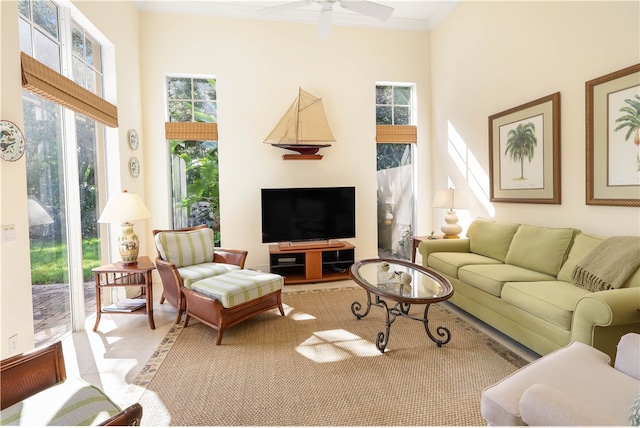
(399, 310)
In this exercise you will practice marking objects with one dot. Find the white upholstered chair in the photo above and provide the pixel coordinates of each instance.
(574, 385)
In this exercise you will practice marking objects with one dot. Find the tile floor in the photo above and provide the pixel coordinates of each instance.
(111, 357)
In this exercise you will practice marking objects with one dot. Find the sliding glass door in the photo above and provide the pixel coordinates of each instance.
(64, 163)
(63, 191)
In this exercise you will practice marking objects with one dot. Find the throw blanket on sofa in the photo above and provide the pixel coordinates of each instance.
(608, 264)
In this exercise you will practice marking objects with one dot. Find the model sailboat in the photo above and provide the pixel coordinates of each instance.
(303, 128)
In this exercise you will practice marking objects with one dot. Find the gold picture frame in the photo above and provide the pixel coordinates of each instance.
(524, 153)
(613, 140)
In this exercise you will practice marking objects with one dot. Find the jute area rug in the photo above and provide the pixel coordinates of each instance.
(319, 365)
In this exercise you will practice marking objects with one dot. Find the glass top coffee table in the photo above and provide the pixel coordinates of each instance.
(405, 284)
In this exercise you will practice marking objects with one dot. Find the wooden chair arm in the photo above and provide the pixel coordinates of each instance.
(234, 257)
(171, 284)
(24, 375)
(131, 416)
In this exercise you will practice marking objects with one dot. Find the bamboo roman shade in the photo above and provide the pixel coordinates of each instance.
(48, 83)
(396, 134)
(199, 131)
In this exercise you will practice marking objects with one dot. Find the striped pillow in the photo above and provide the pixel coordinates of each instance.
(73, 402)
(186, 248)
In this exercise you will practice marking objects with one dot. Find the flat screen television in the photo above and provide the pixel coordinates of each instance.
(308, 214)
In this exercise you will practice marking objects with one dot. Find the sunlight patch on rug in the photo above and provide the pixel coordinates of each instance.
(336, 345)
(296, 316)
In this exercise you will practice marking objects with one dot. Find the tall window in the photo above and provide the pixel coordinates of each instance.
(64, 159)
(193, 145)
(395, 107)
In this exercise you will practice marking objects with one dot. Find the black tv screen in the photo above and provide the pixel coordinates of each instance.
(308, 214)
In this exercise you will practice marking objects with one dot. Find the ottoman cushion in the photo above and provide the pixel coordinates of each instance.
(194, 273)
(238, 286)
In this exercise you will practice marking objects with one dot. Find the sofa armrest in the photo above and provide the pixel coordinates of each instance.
(26, 374)
(603, 309)
(430, 246)
(233, 257)
(628, 355)
(542, 405)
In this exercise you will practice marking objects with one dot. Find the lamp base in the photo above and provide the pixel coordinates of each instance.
(452, 229)
(128, 245)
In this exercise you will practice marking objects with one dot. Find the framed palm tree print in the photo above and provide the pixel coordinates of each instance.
(613, 138)
(524, 153)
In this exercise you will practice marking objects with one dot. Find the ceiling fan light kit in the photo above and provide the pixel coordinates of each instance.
(363, 7)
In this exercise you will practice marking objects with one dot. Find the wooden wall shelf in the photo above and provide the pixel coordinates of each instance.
(301, 157)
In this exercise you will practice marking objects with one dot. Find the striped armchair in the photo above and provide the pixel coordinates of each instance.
(188, 255)
(36, 392)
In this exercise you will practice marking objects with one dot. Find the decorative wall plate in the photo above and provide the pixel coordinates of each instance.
(134, 141)
(134, 166)
(11, 141)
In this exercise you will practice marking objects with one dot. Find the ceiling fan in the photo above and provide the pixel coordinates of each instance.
(363, 7)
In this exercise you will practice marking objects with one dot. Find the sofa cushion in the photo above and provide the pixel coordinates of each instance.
(193, 273)
(491, 238)
(553, 301)
(491, 277)
(186, 248)
(70, 403)
(238, 286)
(543, 249)
(449, 263)
(582, 244)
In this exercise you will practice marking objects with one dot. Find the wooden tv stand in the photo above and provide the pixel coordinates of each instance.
(304, 264)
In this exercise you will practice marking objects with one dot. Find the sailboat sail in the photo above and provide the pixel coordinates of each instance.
(303, 127)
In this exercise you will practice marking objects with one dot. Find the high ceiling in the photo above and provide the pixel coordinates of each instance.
(413, 15)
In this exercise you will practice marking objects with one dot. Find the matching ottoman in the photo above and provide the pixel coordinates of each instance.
(226, 300)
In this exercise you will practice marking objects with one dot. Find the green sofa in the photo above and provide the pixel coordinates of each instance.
(518, 279)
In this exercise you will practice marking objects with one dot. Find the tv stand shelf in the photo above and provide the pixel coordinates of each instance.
(307, 265)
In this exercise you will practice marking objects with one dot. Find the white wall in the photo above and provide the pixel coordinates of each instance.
(259, 66)
(488, 57)
(15, 277)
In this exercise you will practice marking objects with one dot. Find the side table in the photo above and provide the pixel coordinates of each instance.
(119, 275)
(416, 242)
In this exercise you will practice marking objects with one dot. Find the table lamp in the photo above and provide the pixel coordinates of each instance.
(124, 208)
(38, 216)
(450, 199)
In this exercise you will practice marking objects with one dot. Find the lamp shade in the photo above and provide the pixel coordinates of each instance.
(37, 214)
(450, 199)
(124, 207)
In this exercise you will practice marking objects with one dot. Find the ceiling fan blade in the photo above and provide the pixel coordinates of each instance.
(324, 23)
(368, 8)
(284, 7)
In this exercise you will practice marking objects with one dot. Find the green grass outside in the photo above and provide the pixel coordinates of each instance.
(49, 261)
